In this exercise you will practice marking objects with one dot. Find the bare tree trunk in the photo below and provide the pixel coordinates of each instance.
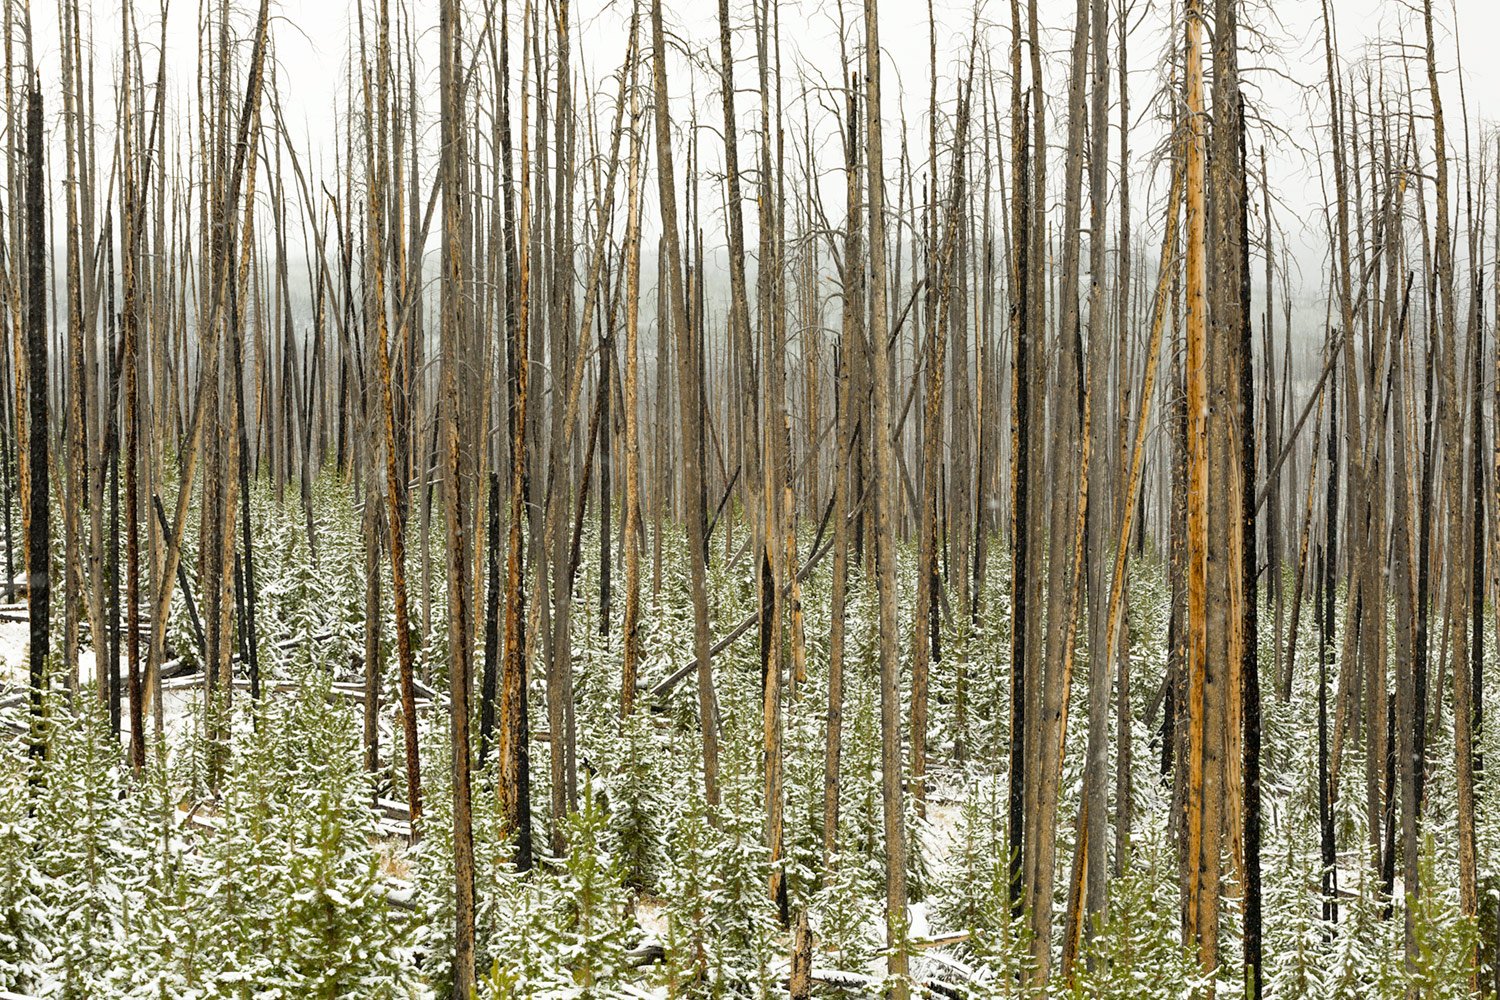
(885, 557)
(851, 343)
(689, 419)
(1020, 495)
(1094, 854)
(394, 483)
(513, 744)
(1404, 595)
(74, 482)
(1329, 561)
(633, 526)
(1124, 753)
(38, 504)
(1451, 409)
(1069, 476)
(1201, 819)
(460, 651)
(1249, 692)
(739, 314)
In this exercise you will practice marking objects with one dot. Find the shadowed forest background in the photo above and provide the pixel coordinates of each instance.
(655, 508)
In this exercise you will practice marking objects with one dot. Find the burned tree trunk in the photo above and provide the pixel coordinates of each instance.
(689, 418)
(38, 501)
(893, 822)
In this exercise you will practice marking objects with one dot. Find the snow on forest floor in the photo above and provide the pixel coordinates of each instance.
(15, 638)
(960, 833)
(178, 703)
(939, 832)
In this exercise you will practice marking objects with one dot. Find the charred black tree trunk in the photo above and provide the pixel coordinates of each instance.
(1477, 526)
(1424, 587)
(1020, 519)
(38, 535)
(606, 484)
(1329, 564)
(1250, 662)
(490, 678)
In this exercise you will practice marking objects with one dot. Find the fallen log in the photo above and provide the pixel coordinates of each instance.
(938, 940)
(392, 809)
(665, 687)
(645, 953)
(178, 667)
(951, 963)
(873, 986)
(395, 829)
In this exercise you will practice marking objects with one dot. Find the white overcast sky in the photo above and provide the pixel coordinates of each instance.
(1282, 65)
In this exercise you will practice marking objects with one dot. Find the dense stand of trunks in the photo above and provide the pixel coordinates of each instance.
(460, 380)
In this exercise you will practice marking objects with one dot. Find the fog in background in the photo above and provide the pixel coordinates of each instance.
(1282, 66)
